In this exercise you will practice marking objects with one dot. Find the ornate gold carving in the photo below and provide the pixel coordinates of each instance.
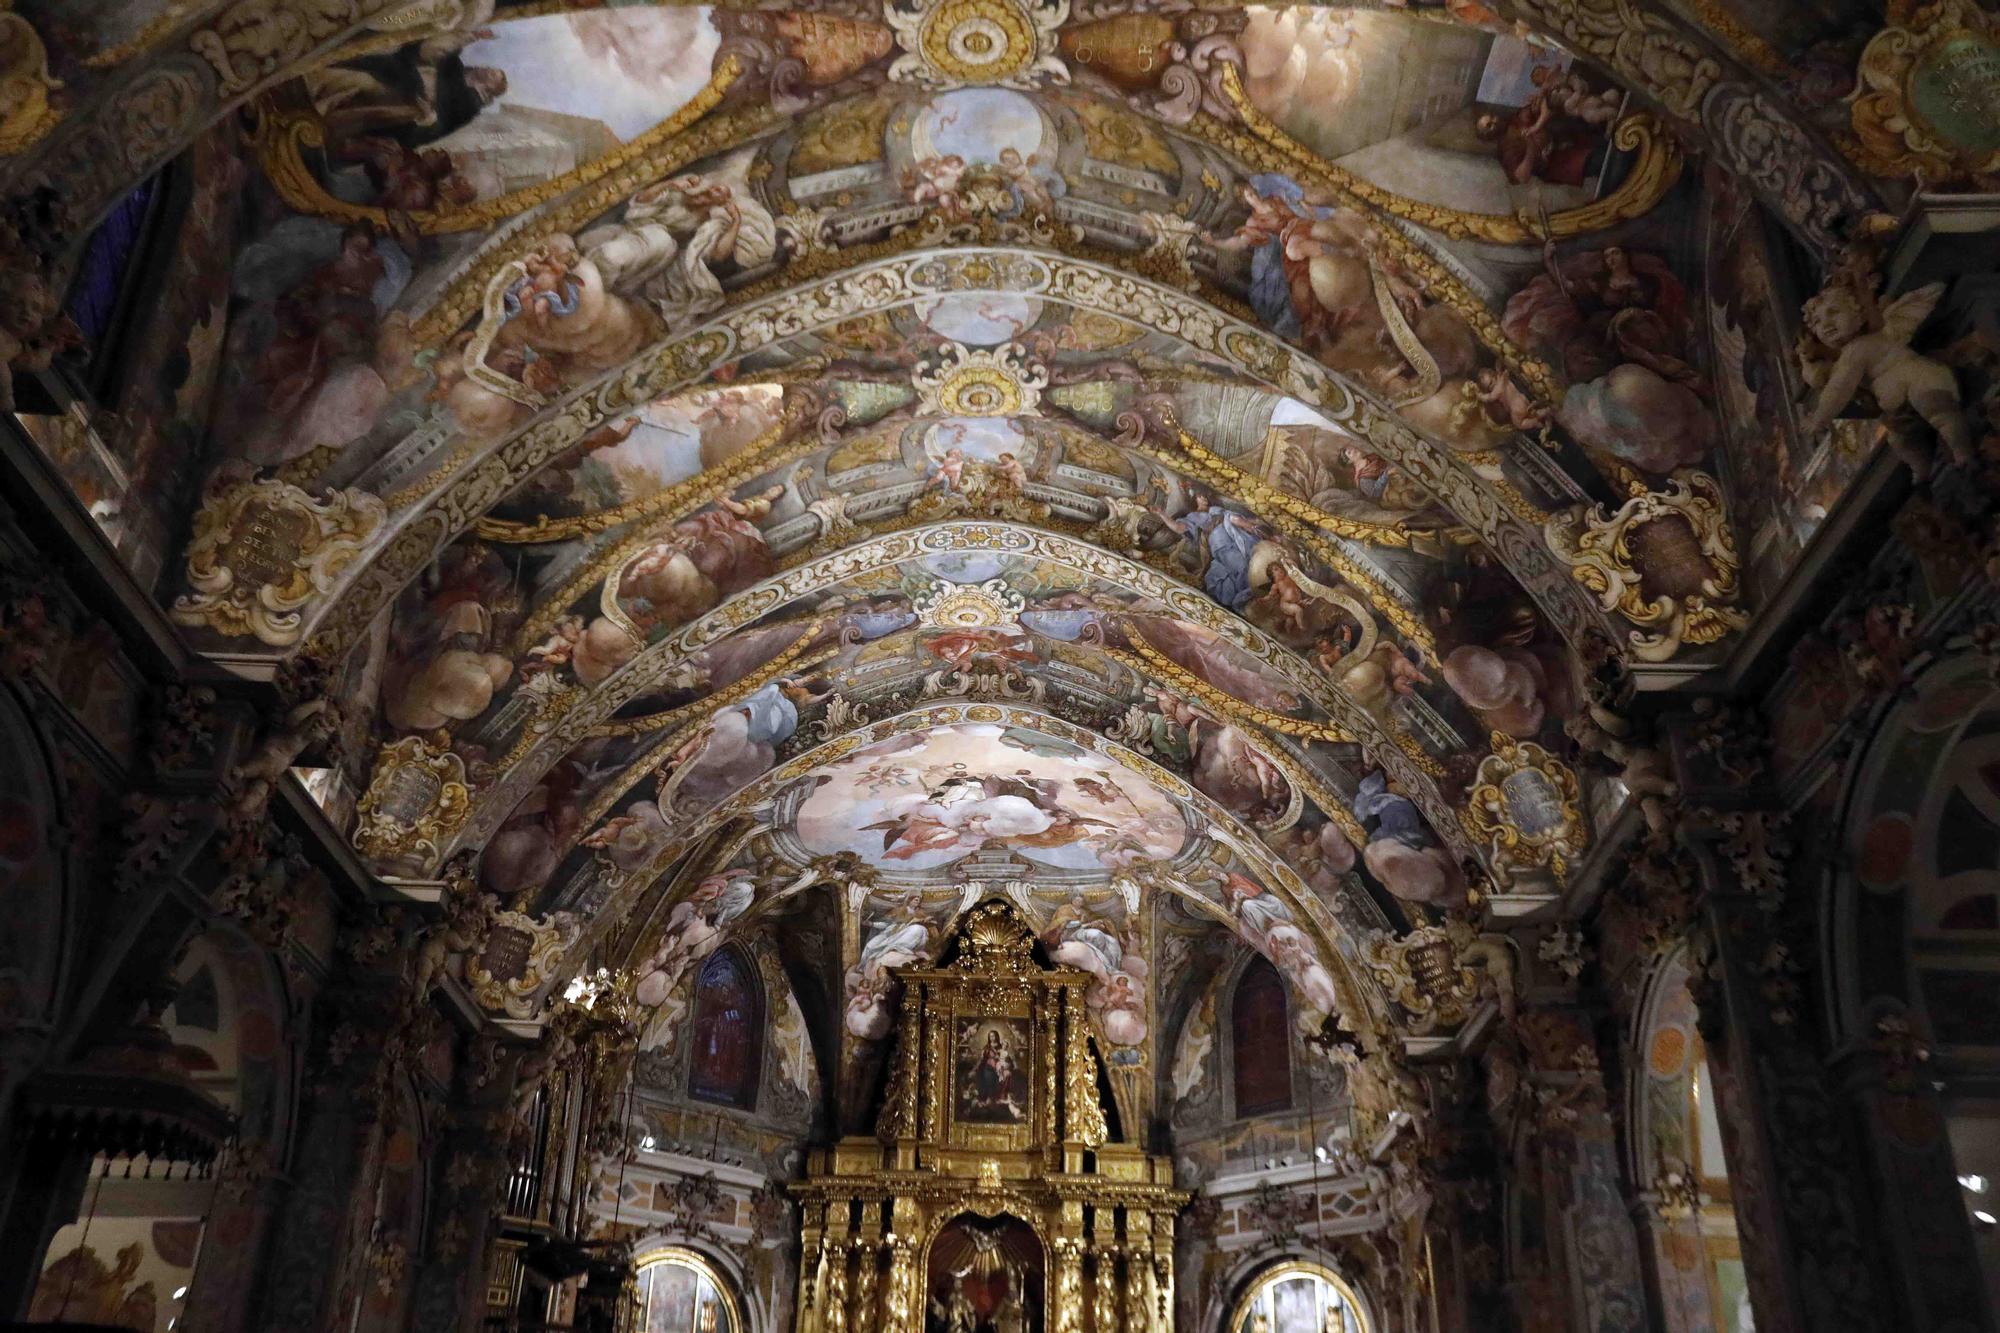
(992, 382)
(26, 115)
(994, 939)
(1666, 561)
(519, 961)
(1928, 102)
(1423, 972)
(1527, 808)
(967, 606)
(1033, 1162)
(952, 42)
(415, 802)
(263, 550)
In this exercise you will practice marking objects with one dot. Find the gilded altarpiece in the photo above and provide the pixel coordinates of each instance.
(992, 1194)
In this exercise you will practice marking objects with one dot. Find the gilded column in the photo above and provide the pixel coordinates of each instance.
(833, 1318)
(812, 1265)
(1138, 1273)
(1069, 1285)
(1104, 1251)
(1163, 1270)
(900, 1310)
(867, 1266)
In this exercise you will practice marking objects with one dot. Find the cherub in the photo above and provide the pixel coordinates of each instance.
(1839, 318)
(1600, 732)
(948, 473)
(1506, 404)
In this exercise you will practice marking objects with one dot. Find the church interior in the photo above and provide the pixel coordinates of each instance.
(1000, 666)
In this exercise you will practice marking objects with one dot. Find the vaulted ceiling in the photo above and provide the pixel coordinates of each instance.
(1193, 454)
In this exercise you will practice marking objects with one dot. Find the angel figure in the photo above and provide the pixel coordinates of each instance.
(1839, 318)
(468, 920)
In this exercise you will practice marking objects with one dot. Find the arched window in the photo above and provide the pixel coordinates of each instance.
(679, 1291)
(1692, 1247)
(1299, 1295)
(1260, 1029)
(728, 1050)
(118, 275)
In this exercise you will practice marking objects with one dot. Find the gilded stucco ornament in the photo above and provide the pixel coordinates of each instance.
(1424, 972)
(519, 961)
(263, 550)
(26, 113)
(967, 606)
(951, 43)
(1928, 96)
(1665, 561)
(1658, 54)
(1527, 808)
(416, 801)
(980, 382)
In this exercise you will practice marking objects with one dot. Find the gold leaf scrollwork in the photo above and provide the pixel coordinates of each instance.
(1654, 172)
(1526, 806)
(948, 43)
(1086, 1112)
(26, 114)
(416, 801)
(1666, 561)
(1422, 971)
(520, 958)
(263, 550)
(1927, 101)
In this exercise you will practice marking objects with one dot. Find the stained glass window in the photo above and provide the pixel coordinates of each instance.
(728, 1050)
(1262, 1041)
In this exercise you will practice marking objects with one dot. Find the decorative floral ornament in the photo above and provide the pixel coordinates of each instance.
(951, 43)
(988, 382)
(964, 606)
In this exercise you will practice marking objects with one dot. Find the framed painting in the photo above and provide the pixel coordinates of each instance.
(992, 1066)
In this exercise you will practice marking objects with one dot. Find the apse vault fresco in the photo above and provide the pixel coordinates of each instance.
(1091, 610)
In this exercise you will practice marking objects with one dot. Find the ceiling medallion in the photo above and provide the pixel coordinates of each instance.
(951, 43)
(966, 606)
(995, 382)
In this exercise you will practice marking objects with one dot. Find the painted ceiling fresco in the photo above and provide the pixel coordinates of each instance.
(732, 456)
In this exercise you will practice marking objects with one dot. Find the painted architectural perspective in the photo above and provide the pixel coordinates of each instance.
(1000, 666)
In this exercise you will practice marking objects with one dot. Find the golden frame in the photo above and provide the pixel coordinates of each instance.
(725, 1286)
(1290, 1268)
